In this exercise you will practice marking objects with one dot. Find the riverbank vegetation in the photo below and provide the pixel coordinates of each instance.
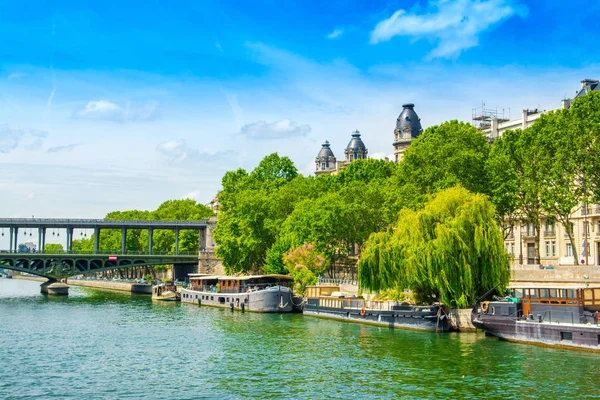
(435, 222)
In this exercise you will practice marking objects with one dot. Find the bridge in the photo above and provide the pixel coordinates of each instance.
(59, 265)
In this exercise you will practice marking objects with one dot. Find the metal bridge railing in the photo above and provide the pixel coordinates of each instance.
(103, 252)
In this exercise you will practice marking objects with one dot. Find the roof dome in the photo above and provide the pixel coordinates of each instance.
(409, 120)
(325, 152)
(356, 142)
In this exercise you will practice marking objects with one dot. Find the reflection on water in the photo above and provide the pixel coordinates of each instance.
(97, 344)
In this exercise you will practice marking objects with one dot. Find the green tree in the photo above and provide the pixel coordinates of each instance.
(451, 250)
(304, 264)
(453, 153)
(53, 248)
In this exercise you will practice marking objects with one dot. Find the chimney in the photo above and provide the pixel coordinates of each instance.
(587, 82)
(566, 103)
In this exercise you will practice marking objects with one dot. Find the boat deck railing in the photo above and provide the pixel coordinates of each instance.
(242, 289)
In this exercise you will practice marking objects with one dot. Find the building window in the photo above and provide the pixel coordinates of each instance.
(530, 230)
(549, 228)
(569, 250)
(510, 248)
(323, 166)
(586, 228)
(550, 248)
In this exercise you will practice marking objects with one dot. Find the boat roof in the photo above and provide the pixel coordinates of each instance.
(542, 285)
(250, 277)
(237, 278)
(203, 276)
(322, 286)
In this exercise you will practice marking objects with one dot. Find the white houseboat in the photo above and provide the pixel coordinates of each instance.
(257, 293)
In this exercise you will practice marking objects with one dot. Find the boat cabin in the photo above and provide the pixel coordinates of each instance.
(331, 296)
(565, 304)
(237, 284)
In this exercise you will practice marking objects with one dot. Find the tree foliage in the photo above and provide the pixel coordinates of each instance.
(453, 153)
(451, 250)
(304, 263)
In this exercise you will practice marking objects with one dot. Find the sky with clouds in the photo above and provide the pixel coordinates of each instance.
(123, 105)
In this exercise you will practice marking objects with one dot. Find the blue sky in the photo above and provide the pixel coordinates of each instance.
(119, 105)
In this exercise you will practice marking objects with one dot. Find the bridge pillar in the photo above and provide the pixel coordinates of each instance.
(202, 239)
(69, 239)
(16, 246)
(10, 244)
(96, 240)
(43, 243)
(123, 240)
(53, 288)
(39, 240)
(176, 241)
(150, 232)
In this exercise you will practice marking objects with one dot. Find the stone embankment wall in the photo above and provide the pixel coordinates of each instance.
(112, 285)
(460, 319)
(30, 278)
(560, 274)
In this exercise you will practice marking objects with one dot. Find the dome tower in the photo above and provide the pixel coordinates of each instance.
(408, 127)
(325, 161)
(356, 149)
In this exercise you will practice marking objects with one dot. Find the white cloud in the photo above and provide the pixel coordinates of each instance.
(194, 195)
(63, 148)
(177, 151)
(107, 110)
(455, 25)
(16, 75)
(29, 139)
(337, 32)
(283, 129)
(31, 196)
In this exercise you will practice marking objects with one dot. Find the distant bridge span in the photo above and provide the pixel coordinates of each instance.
(69, 225)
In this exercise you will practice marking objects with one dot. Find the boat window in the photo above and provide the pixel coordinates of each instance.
(566, 336)
(533, 293)
(553, 293)
(518, 293)
(543, 293)
(562, 293)
(212, 297)
(493, 310)
(572, 293)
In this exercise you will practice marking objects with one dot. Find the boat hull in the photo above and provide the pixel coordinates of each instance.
(276, 299)
(420, 318)
(553, 334)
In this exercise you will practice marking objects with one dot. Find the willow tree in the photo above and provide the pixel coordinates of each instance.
(451, 250)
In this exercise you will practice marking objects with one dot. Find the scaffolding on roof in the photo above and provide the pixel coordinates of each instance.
(482, 117)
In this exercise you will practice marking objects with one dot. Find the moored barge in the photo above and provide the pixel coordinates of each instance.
(556, 316)
(256, 293)
(329, 302)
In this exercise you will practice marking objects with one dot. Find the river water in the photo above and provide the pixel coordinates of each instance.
(106, 345)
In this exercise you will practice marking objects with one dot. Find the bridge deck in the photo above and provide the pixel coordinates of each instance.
(58, 223)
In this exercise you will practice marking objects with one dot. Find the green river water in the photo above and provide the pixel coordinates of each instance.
(106, 345)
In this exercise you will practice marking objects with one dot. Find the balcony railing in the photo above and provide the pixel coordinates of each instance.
(529, 234)
(550, 233)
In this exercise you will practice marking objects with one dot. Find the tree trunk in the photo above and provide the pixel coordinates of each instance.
(537, 227)
(570, 233)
